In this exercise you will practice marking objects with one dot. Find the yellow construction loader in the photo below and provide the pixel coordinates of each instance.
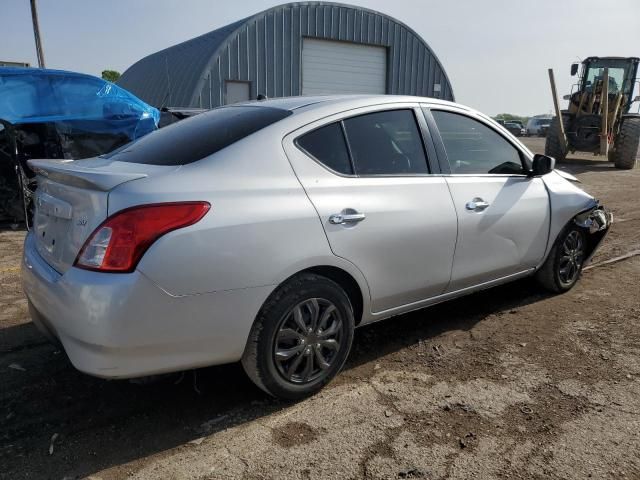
(598, 118)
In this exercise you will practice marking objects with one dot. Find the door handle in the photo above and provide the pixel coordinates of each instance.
(346, 218)
(477, 205)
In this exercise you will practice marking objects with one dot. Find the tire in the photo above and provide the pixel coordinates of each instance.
(627, 145)
(563, 267)
(553, 146)
(308, 360)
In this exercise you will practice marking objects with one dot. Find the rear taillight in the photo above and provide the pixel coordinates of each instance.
(120, 241)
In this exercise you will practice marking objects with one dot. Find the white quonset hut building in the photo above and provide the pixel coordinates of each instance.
(302, 48)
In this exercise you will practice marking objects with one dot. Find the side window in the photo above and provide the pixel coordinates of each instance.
(327, 145)
(472, 147)
(386, 143)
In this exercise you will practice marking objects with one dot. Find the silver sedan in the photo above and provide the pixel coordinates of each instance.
(266, 232)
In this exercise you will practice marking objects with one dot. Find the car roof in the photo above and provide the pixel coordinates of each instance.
(308, 103)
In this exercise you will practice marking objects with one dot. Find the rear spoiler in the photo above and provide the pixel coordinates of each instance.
(72, 173)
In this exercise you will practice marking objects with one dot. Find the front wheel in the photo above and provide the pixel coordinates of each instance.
(626, 149)
(563, 266)
(301, 337)
(553, 146)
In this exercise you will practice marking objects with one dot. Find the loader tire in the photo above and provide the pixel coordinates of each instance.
(626, 150)
(553, 145)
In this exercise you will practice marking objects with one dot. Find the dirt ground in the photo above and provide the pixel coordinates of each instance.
(509, 383)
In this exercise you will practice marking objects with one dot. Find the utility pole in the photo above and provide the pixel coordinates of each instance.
(36, 33)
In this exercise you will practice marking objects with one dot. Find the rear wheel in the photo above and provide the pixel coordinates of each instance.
(626, 150)
(301, 337)
(563, 266)
(553, 145)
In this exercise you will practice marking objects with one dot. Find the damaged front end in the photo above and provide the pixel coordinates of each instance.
(596, 221)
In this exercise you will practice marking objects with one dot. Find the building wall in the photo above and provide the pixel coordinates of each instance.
(267, 52)
(265, 49)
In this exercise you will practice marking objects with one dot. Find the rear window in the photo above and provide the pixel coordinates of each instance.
(197, 137)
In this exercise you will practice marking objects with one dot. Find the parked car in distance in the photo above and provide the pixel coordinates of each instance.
(265, 232)
(538, 126)
(515, 128)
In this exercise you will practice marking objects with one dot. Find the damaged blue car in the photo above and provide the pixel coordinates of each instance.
(60, 115)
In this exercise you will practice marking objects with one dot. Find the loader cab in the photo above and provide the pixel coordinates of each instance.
(622, 77)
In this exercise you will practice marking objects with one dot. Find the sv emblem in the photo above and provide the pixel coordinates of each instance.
(81, 222)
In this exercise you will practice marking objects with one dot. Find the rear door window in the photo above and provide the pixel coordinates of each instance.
(198, 137)
(327, 145)
(386, 143)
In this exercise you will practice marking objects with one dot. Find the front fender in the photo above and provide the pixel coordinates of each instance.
(596, 221)
(570, 203)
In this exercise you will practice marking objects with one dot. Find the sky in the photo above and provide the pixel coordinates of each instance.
(495, 52)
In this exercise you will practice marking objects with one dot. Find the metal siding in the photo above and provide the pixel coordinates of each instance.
(265, 50)
(429, 76)
(371, 36)
(241, 54)
(397, 62)
(342, 27)
(420, 72)
(233, 59)
(412, 64)
(357, 26)
(252, 58)
(286, 52)
(304, 20)
(334, 32)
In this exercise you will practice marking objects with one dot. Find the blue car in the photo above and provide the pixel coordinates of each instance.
(59, 114)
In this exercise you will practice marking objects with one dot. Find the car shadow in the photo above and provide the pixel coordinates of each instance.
(102, 424)
(577, 166)
(12, 227)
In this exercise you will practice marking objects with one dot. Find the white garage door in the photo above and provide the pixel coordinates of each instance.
(340, 67)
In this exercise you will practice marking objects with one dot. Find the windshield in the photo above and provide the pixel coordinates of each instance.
(621, 75)
(616, 78)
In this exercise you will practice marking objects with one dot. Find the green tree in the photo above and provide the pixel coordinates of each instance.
(110, 75)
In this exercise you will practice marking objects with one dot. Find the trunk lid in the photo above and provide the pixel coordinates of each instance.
(72, 200)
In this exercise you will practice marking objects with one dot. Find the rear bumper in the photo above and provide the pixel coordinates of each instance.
(124, 325)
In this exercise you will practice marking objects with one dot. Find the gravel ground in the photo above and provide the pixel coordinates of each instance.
(509, 383)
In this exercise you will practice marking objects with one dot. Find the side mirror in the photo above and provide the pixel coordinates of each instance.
(574, 68)
(566, 97)
(542, 165)
(637, 99)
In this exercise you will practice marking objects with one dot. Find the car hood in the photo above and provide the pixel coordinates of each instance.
(567, 176)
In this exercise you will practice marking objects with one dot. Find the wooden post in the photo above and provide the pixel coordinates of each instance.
(604, 109)
(36, 34)
(556, 105)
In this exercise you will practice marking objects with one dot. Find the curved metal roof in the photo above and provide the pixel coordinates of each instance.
(265, 49)
(168, 77)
